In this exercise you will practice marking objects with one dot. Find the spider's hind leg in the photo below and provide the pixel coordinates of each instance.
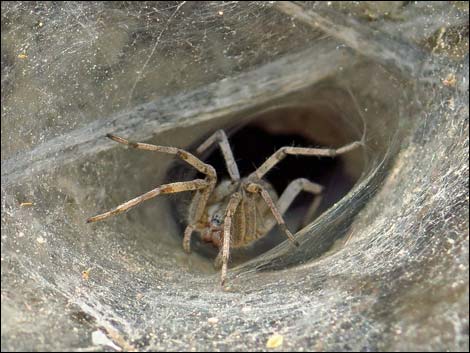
(293, 190)
(283, 152)
(221, 138)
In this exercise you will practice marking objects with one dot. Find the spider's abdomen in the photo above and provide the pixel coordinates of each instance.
(253, 218)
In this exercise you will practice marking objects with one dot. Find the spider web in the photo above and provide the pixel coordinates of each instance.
(386, 268)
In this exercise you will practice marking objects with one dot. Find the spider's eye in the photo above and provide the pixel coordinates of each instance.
(217, 220)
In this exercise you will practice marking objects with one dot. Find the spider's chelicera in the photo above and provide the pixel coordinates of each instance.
(237, 211)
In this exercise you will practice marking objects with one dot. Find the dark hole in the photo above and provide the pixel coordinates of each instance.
(251, 146)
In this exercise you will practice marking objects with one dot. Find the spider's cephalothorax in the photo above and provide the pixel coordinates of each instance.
(250, 221)
(235, 212)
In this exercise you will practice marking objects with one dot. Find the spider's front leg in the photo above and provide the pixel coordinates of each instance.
(203, 187)
(172, 188)
(224, 253)
(189, 158)
(195, 213)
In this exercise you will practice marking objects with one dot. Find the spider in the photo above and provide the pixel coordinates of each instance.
(236, 211)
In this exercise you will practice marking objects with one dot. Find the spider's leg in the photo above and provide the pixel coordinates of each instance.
(196, 184)
(256, 188)
(281, 153)
(182, 154)
(187, 237)
(195, 213)
(221, 138)
(293, 189)
(290, 193)
(224, 254)
(250, 215)
(202, 195)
